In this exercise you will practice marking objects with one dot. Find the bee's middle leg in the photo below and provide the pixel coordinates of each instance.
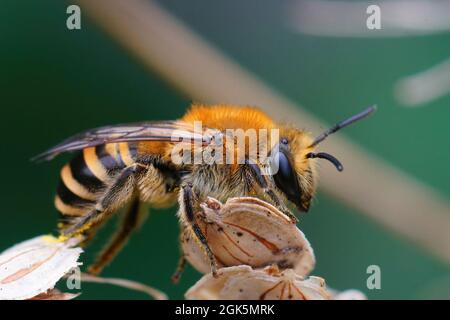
(180, 268)
(187, 211)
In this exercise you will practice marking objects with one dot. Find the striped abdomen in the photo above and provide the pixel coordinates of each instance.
(87, 176)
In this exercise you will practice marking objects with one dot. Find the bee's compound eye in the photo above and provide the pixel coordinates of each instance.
(284, 141)
(285, 172)
(286, 180)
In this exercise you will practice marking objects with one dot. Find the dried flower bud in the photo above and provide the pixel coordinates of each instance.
(245, 283)
(248, 231)
(33, 267)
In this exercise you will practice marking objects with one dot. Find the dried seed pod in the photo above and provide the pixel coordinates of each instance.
(33, 267)
(245, 283)
(248, 231)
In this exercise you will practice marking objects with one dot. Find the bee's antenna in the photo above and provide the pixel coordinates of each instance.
(343, 124)
(327, 156)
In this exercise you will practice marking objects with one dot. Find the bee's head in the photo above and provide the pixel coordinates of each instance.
(296, 174)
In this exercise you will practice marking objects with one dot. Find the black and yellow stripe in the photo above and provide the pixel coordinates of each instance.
(87, 176)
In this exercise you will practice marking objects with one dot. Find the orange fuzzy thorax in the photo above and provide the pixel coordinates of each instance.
(218, 117)
(224, 117)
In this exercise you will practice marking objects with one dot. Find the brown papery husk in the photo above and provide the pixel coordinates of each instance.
(248, 231)
(245, 283)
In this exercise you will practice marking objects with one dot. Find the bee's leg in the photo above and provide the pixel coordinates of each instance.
(180, 268)
(264, 183)
(187, 211)
(130, 222)
(181, 261)
(115, 196)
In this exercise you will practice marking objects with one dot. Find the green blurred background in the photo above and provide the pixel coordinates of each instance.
(55, 82)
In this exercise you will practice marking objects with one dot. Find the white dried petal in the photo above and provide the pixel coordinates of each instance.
(245, 283)
(34, 267)
(248, 231)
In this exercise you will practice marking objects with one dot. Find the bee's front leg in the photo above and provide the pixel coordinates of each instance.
(187, 215)
(264, 184)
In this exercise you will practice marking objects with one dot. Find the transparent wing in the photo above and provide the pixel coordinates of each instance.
(169, 131)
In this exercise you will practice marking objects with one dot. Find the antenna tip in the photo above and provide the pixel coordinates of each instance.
(365, 113)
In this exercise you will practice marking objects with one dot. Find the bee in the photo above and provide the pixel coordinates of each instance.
(131, 166)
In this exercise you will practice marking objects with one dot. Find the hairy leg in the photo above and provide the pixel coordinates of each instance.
(117, 195)
(129, 223)
(266, 185)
